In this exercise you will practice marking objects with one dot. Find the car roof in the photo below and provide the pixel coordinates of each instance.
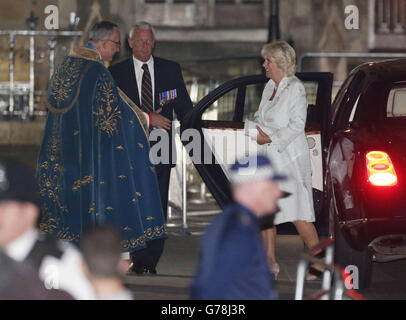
(389, 70)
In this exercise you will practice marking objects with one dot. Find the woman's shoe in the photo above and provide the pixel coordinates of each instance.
(275, 270)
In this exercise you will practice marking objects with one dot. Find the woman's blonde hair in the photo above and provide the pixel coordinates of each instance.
(284, 55)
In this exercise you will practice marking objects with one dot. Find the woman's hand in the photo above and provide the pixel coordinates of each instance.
(262, 137)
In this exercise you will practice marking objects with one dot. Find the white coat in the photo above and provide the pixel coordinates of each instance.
(283, 119)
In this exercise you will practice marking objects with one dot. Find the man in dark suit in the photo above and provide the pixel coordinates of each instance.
(155, 85)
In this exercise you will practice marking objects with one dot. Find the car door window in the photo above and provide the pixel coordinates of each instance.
(340, 96)
(252, 100)
(347, 100)
(354, 108)
(223, 108)
(396, 105)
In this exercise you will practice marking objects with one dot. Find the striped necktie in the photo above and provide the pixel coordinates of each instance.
(146, 90)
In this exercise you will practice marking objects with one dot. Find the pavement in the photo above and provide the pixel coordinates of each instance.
(178, 264)
(179, 261)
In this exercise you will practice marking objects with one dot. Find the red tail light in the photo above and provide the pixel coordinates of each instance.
(380, 169)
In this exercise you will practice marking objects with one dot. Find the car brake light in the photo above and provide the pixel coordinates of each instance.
(380, 169)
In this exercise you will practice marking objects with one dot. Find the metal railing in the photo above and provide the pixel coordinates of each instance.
(382, 55)
(12, 86)
(390, 16)
(332, 287)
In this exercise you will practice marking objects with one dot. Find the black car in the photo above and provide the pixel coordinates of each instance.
(365, 176)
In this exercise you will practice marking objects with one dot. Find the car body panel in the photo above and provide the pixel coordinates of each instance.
(363, 211)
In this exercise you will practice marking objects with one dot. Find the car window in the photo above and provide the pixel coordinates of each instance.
(396, 105)
(223, 108)
(252, 99)
(340, 96)
(347, 100)
(354, 108)
(311, 91)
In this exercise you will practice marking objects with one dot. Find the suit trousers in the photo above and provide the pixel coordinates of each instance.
(163, 174)
(149, 256)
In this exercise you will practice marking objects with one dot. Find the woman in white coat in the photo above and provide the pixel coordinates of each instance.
(279, 128)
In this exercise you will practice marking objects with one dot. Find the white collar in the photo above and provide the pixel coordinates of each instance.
(100, 57)
(21, 247)
(140, 63)
(284, 81)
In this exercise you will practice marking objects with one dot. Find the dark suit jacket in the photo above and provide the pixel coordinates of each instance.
(168, 76)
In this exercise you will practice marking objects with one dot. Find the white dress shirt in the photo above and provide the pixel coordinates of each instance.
(21, 247)
(139, 72)
(65, 273)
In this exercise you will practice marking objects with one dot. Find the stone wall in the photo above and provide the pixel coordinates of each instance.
(19, 133)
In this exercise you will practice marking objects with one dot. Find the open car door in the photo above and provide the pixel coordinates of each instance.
(219, 118)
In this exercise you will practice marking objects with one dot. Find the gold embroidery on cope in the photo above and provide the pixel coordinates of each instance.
(139, 114)
(108, 113)
(49, 225)
(84, 53)
(79, 183)
(65, 79)
(148, 234)
(50, 183)
(62, 88)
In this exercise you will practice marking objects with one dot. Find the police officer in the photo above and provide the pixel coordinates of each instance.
(233, 262)
(59, 264)
(19, 281)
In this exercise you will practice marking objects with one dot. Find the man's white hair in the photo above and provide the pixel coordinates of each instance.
(142, 25)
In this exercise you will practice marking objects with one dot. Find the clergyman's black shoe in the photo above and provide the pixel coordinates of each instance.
(143, 271)
(151, 271)
(136, 271)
